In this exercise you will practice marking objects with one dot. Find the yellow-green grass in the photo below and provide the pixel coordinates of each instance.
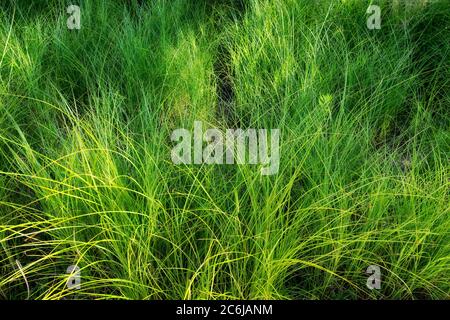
(86, 176)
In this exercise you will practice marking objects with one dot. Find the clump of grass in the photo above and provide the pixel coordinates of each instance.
(86, 177)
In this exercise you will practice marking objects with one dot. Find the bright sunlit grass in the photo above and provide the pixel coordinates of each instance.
(86, 176)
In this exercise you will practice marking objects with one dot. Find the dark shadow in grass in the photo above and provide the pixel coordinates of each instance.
(431, 56)
(223, 68)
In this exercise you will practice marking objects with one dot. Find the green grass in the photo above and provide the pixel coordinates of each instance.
(85, 170)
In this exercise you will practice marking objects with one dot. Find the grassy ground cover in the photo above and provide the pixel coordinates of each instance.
(86, 177)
